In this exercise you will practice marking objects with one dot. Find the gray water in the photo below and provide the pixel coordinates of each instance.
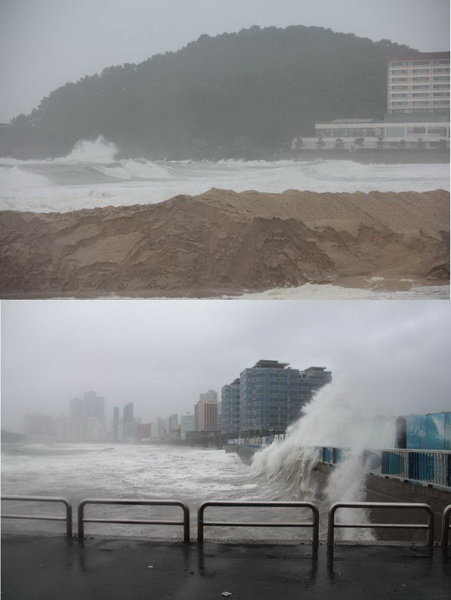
(92, 176)
(190, 475)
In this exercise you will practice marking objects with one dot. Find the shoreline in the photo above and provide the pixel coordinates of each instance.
(332, 291)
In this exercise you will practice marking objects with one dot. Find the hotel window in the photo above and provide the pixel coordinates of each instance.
(399, 79)
(441, 70)
(394, 131)
(420, 78)
(444, 61)
(441, 78)
(437, 130)
(399, 63)
(419, 71)
(441, 94)
(413, 130)
(400, 87)
(420, 87)
(420, 63)
(400, 71)
(440, 86)
(400, 103)
(400, 95)
(420, 94)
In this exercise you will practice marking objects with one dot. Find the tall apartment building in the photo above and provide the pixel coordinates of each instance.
(128, 422)
(313, 379)
(419, 84)
(87, 418)
(116, 422)
(186, 425)
(206, 412)
(129, 411)
(230, 395)
(272, 394)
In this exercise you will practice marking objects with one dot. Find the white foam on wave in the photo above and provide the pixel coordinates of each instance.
(332, 419)
(91, 176)
(135, 169)
(14, 178)
(99, 151)
(311, 291)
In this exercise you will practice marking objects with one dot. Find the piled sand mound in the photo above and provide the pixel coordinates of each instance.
(222, 241)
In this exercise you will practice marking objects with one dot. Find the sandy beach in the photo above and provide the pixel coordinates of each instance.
(222, 242)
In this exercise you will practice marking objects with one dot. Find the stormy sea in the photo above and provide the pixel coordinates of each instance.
(93, 176)
(161, 472)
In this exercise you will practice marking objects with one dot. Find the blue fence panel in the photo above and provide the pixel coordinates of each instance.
(327, 455)
(337, 455)
(394, 463)
(448, 431)
(436, 425)
(416, 431)
(428, 467)
(421, 466)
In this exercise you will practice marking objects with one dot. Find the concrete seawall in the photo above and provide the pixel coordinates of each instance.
(380, 488)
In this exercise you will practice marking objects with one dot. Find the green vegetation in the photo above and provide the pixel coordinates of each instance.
(239, 94)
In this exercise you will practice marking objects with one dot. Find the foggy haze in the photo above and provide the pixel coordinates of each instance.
(48, 43)
(386, 357)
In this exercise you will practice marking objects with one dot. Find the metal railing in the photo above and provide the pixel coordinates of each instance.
(201, 523)
(67, 518)
(383, 505)
(429, 466)
(127, 501)
(445, 529)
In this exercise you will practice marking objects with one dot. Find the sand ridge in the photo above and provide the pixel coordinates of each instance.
(226, 240)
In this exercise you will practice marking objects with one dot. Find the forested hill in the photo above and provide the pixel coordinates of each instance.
(236, 94)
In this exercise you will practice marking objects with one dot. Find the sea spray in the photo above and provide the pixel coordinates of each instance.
(95, 151)
(289, 467)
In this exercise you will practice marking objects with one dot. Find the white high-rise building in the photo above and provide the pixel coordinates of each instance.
(419, 84)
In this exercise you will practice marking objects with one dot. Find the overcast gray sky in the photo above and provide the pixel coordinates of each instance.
(391, 357)
(46, 43)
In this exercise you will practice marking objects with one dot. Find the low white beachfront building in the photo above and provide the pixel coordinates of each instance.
(354, 134)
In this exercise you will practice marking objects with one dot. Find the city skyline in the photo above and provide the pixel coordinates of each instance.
(162, 354)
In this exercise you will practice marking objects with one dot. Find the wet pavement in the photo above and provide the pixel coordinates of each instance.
(55, 568)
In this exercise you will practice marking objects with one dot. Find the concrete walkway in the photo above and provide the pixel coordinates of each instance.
(54, 568)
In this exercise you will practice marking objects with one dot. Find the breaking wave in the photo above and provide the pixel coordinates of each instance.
(99, 151)
(92, 175)
(291, 466)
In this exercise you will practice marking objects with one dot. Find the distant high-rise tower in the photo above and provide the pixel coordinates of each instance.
(87, 418)
(230, 395)
(206, 412)
(116, 421)
(129, 413)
